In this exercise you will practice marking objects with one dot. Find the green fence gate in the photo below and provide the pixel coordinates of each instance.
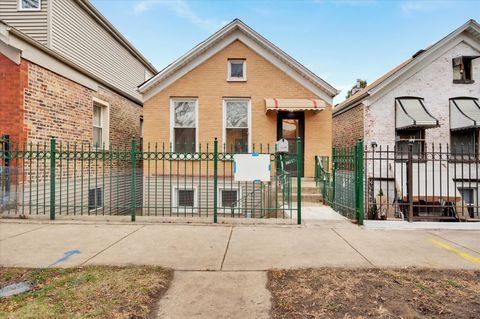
(341, 185)
(59, 178)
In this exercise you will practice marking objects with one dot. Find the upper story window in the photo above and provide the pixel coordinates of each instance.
(183, 125)
(462, 69)
(100, 124)
(237, 70)
(29, 5)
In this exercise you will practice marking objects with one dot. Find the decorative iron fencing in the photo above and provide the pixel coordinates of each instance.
(407, 183)
(153, 180)
(421, 183)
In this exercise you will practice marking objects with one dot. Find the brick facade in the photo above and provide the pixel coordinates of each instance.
(37, 104)
(208, 82)
(13, 80)
(348, 127)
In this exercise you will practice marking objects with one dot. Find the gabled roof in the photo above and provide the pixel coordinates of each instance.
(237, 30)
(100, 18)
(471, 27)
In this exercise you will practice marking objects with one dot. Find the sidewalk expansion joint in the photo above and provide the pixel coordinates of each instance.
(358, 252)
(111, 245)
(453, 242)
(26, 232)
(226, 248)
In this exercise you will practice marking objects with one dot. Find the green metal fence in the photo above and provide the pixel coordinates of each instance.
(342, 189)
(59, 178)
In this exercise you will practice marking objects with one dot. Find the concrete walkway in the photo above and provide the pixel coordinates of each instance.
(223, 267)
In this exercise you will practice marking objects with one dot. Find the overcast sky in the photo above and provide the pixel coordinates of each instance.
(339, 40)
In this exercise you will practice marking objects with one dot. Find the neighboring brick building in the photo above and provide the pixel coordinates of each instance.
(48, 89)
(431, 101)
(82, 92)
(372, 112)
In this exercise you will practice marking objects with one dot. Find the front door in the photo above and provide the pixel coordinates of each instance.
(291, 126)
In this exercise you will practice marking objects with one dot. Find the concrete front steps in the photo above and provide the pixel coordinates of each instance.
(310, 192)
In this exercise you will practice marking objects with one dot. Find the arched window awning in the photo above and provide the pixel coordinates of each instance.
(412, 113)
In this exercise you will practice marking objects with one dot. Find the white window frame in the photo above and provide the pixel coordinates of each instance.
(21, 8)
(105, 121)
(172, 120)
(249, 108)
(96, 198)
(235, 79)
(175, 198)
(226, 188)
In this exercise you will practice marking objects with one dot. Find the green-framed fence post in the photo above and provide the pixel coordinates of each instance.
(334, 167)
(134, 180)
(215, 181)
(52, 178)
(299, 181)
(359, 179)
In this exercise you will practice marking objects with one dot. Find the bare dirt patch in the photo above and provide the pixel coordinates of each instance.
(86, 292)
(374, 293)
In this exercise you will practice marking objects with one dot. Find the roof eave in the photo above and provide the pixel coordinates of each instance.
(234, 25)
(90, 9)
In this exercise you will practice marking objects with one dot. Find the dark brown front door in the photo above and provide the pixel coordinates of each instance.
(291, 126)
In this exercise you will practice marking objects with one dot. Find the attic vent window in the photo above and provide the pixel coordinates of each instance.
(29, 5)
(462, 69)
(237, 70)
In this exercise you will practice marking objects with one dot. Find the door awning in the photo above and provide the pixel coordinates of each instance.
(464, 113)
(292, 105)
(411, 113)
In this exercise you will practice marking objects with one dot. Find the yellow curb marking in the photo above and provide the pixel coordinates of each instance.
(462, 254)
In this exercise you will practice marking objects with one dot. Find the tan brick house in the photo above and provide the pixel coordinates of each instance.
(239, 87)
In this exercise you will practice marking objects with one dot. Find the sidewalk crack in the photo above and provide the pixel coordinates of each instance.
(226, 248)
(111, 245)
(26, 232)
(358, 252)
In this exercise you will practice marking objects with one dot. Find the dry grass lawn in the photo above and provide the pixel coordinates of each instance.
(86, 292)
(374, 293)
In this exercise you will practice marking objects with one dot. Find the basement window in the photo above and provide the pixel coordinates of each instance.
(29, 5)
(237, 70)
(185, 197)
(462, 69)
(229, 198)
(95, 198)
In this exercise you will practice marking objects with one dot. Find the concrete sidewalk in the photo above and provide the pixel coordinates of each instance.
(220, 270)
(318, 243)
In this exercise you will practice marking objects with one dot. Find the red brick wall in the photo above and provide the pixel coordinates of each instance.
(348, 127)
(13, 80)
(56, 106)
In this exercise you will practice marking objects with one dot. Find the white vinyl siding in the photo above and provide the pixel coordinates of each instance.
(80, 38)
(33, 23)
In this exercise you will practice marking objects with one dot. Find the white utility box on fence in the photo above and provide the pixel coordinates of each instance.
(251, 167)
(282, 146)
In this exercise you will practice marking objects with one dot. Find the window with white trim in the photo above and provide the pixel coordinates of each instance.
(29, 5)
(229, 198)
(100, 124)
(237, 125)
(237, 70)
(185, 197)
(184, 125)
(95, 198)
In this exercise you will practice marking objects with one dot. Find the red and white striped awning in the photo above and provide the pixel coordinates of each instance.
(294, 105)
